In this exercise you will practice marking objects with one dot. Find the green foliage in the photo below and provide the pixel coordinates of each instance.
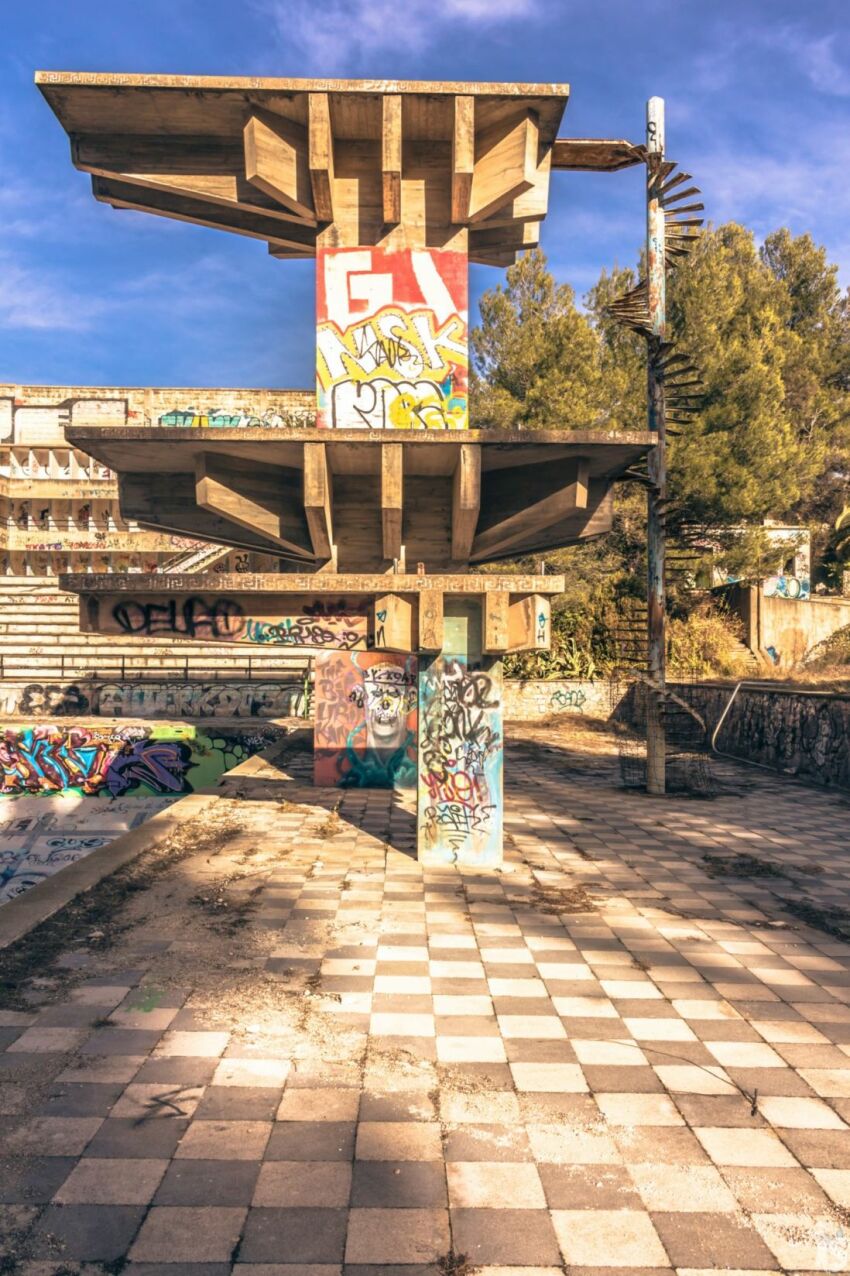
(741, 459)
(703, 644)
(565, 660)
(582, 643)
(622, 352)
(537, 358)
(770, 333)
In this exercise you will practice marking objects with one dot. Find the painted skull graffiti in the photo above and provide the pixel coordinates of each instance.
(387, 697)
(365, 721)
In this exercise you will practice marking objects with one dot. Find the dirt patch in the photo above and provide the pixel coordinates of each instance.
(567, 745)
(222, 907)
(561, 899)
(332, 824)
(96, 916)
(745, 865)
(742, 865)
(831, 920)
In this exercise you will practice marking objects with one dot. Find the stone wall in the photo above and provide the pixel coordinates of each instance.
(525, 701)
(801, 733)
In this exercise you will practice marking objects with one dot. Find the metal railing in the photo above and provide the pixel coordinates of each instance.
(129, 669)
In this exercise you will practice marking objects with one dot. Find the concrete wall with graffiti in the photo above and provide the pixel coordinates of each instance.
(792, 628)
(134, 699)
(523, 701)
(39, 838)
(392, 343)
(528, 701)
(110, 761)
(783, 629)
(365, 720)
(255, 620)
(36, 415)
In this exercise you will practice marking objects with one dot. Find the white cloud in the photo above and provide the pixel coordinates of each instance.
(29, 211)
(821, 65)
(805, 189)
(815, 57)
(34, 298)
(801, 183)
(340, 35)
(719, 67)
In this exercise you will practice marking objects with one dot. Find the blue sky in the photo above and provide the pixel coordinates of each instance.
(758, 109)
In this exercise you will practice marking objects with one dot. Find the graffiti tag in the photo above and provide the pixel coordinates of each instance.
(572, 699)
(460, 757)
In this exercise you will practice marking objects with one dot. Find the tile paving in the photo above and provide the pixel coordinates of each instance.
(616, 1055)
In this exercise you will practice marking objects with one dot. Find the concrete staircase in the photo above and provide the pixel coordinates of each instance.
(40, 640)
(745, 659)
(196, 560)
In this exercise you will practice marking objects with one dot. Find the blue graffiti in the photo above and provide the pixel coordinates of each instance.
(160, 764)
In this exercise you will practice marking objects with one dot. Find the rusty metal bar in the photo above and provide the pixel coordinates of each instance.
(657, 461)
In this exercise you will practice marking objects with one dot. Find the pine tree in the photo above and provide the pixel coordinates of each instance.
(770, 333)
(536, 357)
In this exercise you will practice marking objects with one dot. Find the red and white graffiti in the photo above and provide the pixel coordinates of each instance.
(392, 343)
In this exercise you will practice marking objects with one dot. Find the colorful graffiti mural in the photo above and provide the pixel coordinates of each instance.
(111, 761)
(342, 624)
(216, 419)
(392, 341)
(460, 762)
(365, 720)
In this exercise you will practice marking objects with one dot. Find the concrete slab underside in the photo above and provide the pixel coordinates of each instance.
(298, 1047)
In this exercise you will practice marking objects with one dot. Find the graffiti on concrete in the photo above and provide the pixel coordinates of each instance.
(787, 587)
(50, 700)
(460, 761)
(221, 619)
(26, 418)
(37, 416)
(365, 720)
(40, 838)
(216, 419)
(392, 346)
(134, 699)
(201, 700)
(572, 699)
(112, 761)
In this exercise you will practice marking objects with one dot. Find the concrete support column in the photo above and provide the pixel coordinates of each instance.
(459, 817)
(656, 286)
(365, 720)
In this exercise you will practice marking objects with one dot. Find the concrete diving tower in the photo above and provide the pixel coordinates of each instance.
(380, 511)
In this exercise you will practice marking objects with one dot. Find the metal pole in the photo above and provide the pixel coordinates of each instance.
(657, 461)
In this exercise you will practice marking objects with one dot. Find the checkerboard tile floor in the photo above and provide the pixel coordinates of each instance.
(616, 1055)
